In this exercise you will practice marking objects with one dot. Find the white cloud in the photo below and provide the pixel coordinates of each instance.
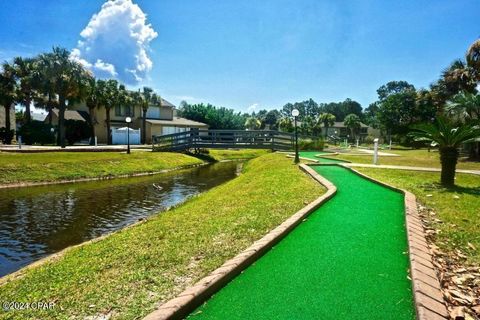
(116, 41)
(107, 67)
(253, 107)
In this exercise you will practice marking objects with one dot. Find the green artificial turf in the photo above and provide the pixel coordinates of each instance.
(348, 260)
(322, 158)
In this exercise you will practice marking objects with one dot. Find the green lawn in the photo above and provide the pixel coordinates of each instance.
(417, 158)
(129, 271)
(346, 261)
(52, 166)
(460, 216)
(231, 154)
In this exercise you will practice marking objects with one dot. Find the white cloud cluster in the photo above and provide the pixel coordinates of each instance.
(115, 43)
(252, 108)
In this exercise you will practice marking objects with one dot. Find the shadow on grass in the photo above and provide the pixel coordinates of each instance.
(454, 189)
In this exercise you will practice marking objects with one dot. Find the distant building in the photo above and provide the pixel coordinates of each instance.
(160, 119)
(339, 129)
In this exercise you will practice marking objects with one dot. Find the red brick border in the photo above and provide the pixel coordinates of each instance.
(191, 298)
(429, 302)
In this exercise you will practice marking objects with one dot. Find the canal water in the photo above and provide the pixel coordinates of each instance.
(38, 221)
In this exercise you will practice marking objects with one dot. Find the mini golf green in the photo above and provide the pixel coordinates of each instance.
(348, 260)
(323, 157)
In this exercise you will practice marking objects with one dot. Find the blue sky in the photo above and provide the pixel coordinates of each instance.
(263, 54)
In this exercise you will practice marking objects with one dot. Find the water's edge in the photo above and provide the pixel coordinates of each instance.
(56, 255)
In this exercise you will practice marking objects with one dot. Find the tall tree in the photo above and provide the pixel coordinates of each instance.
(448, 137)
(328, 120)
(473, 59)
(93, 100)
(352, 121)
(146, 102)
(66, 78)
(8, 94)
(396, 106)
(271, 119)
(285, 124)
(110, 98)
(25, 73)
(393, 87)
(252, 123)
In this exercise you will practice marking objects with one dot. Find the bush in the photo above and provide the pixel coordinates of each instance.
(76, 131)
(36, 132)
(408, 141)
(6, 136)
(369, 139)
(310, 144)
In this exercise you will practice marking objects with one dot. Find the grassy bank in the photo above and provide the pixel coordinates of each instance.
(457, 208)
(417, 158)
(231, 154)
(54, 166)
(127, 273)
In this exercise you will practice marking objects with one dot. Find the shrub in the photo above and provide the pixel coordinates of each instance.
(76, 130)
(36, 132)
(6, 136)
(369, 139)
(310, 144)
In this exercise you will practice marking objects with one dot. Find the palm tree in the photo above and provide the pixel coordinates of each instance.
(449, 138)
(473, 58)
(352, 121)
(64, 77)
(328, 120)
(285, 124)
(8, 95)
(110, 98)
(146, 101)
(25, 71)
(465, 105)
(252, 123)
(93, 99)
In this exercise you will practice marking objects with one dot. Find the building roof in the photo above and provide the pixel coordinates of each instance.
(177, 121)
(73, 114)
(38, 116)
(165, 103)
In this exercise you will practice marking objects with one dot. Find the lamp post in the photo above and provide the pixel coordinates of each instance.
(128, 120)
(295, 114)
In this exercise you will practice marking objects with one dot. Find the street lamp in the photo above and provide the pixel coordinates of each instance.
(128, 120)
(295, 114)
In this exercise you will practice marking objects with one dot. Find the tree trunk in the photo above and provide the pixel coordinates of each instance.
(144, 126)
(326, 132)
(448, 159)
(109, 134)
(61, 121)
(50, 109)
(92, 126)
(8, 137)
(28, 116)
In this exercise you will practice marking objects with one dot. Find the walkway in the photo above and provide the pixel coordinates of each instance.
(346, 261)
(407, 168)
(323, 157)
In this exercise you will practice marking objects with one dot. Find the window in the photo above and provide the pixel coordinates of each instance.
(124, 111)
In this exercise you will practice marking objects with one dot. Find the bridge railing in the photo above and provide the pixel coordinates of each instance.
(198, 138)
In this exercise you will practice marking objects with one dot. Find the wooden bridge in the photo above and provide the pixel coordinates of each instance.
(223, 139)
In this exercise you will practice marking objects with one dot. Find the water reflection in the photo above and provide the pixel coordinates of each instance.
(37, 221)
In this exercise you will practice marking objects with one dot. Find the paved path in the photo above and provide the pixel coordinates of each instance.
(381, 166)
